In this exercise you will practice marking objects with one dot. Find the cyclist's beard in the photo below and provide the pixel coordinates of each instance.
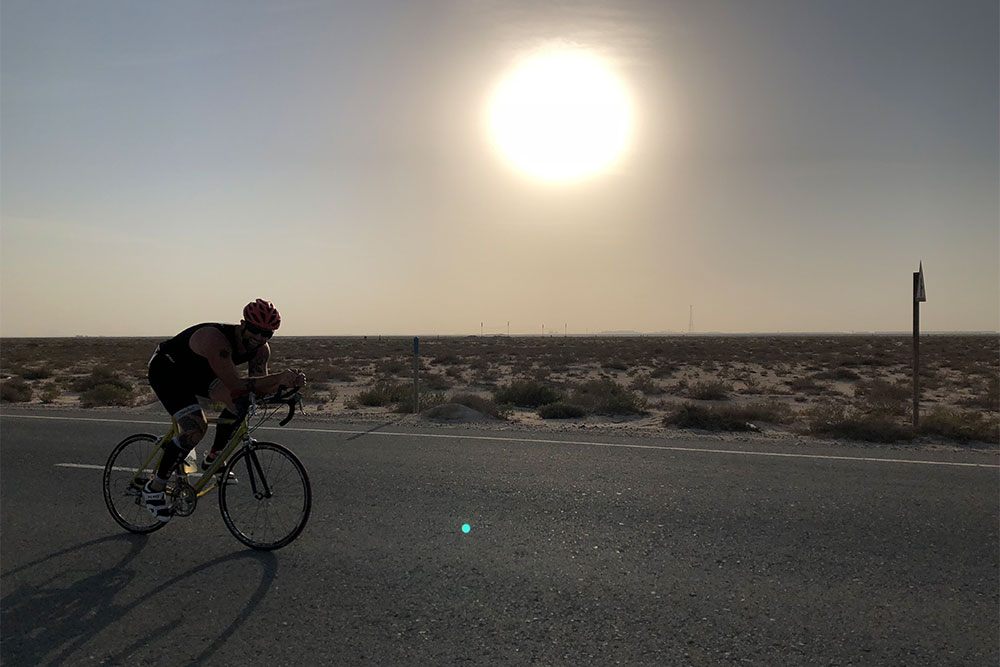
(250, 347)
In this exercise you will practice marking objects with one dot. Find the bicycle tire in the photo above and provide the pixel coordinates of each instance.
(121, 495)
(265, 523)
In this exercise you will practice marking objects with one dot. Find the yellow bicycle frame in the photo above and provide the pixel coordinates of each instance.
(208, 480)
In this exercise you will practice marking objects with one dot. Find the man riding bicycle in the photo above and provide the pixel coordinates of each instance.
(202, 361)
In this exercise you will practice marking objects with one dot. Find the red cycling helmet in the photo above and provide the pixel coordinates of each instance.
(262, 314)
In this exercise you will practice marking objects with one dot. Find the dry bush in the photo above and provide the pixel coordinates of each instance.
(607, 397)
(427, 401)
(752, 384)
(838, 421)
(709, 390)
(435, 381)
(960, 426)
(561, 410)
(384, 393)
(880, 397)
(108, 394)
(727, 417)
(105, 387)
(480, 404)
(526, 394)
(644, 382)
(15, 390)
(840, 373)
(49, 392)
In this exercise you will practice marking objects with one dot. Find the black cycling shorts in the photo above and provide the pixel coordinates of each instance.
(168, 385)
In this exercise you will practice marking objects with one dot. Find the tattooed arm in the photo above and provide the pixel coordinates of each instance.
(258, 365)
(210, 343)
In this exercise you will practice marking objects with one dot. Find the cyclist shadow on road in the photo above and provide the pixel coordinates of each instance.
(47, 618)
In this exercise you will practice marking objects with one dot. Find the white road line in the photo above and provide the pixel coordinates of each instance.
(87, 466)
(666, 448)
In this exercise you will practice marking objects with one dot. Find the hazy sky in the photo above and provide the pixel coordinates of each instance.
(789, 163)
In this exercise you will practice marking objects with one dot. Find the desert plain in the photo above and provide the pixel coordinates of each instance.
(856, 388)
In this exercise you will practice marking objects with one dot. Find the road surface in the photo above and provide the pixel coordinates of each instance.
(582, 549)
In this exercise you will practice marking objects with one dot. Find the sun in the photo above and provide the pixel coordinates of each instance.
(561, 116)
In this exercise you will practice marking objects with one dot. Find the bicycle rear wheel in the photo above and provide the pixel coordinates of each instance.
(269, 505)
(130, 465)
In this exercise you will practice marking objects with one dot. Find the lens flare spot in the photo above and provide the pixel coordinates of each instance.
(466, 527)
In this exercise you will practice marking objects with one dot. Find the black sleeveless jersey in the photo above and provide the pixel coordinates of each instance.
(192, 368)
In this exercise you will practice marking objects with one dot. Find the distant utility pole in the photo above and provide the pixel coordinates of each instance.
(691, 321)
(918, 295)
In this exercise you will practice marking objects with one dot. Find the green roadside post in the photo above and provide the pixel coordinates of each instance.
(919, 295)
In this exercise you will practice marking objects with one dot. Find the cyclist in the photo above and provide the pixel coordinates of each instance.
(202, 361)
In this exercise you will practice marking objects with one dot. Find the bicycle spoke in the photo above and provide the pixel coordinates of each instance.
(272, 507)
(121, 473)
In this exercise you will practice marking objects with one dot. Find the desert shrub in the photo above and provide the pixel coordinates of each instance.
(446, 359)
(101, 375)
(644, 383)
(428, 400)
(752, 384)
(104, 386)
(879, 397)
(711, 390)
(49, 392)
(839, 373)
(728, 417)
(959, 426)
(803, 384)
(663, 371)
(320, 393)
(822, 416)
(391, 368)
(526, 394)
(384, 393)
(838, 422)
(561, 410)
(615, 365)
(330, 374)
(481, 404)
(987, 398)
(435, 381)
(108, 393)
(607, 397)
(869, 428)
(15, 390)
(691, 415)
(40, 373)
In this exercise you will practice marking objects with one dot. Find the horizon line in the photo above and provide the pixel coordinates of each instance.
(613, 334)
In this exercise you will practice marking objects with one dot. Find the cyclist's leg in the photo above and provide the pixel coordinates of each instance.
(192, 425)
(183, 406)
(223, 431)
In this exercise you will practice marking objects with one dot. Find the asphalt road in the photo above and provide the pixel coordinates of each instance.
(595, 550)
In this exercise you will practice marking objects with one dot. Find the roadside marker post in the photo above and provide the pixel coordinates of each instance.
(919, 295)
(416, 375)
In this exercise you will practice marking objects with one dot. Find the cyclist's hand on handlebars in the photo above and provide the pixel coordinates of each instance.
(294, 379)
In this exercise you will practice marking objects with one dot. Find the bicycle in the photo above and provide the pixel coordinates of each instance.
(266, 510)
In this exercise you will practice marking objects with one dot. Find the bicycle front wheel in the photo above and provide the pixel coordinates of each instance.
(267, 499)
(129, 467)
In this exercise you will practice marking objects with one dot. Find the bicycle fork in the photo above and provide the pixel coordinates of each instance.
(258, 482)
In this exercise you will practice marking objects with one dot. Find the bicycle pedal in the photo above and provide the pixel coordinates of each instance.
(222, 479)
